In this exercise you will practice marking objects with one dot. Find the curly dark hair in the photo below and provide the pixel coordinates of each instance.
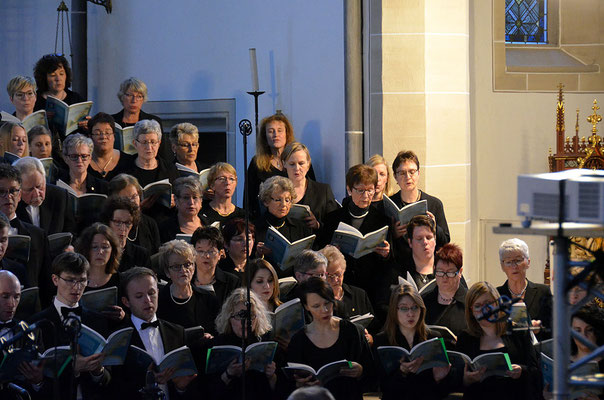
(48, 64)
(210, 234)
(120, 203)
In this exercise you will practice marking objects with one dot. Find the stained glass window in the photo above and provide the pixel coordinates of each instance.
(526, 21)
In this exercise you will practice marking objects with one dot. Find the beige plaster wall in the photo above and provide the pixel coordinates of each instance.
(511, 135)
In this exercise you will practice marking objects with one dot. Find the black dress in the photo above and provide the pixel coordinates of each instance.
(521, 352)
(146, 234)
(412, 386)
(402, 251)
(146, 176)
(210, 215)
(350, 345)
(319, 197)
(201, 309)
(123, 164)
(451, 316)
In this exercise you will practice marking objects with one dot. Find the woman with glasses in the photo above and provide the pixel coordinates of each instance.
(22, 93)
(184, 139)
(318, 196)
(99, 244)
(77, 153)
(365, 271)
(121, 214)
(276, 132)
(405, 327)
(277, 194)
(179, 301)
(406, 173)
(107, 161)
(222, 181)
(147, 166)
(188, 196)
(233, 233)
(231, 331)
(146, 233)
(209, 248)
(13, 139)
(515, 261)
(487, 334)
(446, 304)
(327, 339)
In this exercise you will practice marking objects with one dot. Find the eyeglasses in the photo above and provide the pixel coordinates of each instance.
(409, 173)
(440, 274)
(132, 96)
(188, 145)
(101, 248)
(315, 275)
(368, 192)
(151, 143)
(334, 276)
(286, 200)
(123, 224)
(404, 309)
(75, 282)
(225, 179)
(75, 157)
(207, 253)
(23, 95)
(512, 263)
(178, 267)
(102, 134)
(11, 191)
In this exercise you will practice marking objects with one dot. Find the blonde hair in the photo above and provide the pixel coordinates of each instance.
(262, 322)
(6, 135)
(377, 159)
(20, 82)
(217, 169)
(178, 247)
(134, 84)
(292, 148)
(477, 290)
(392, 325)
(333, 255)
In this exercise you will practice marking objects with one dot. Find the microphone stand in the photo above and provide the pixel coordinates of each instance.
(72, 326)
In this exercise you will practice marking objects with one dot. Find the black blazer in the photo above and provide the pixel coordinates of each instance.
(16, 268)
(130, 378)
(319, 197)
(56, 211)
(93, 185)
(164, 170)
(224, 285)
(451, 316)
(51, 337)
(134, 256)
(538, 300)
(146, 234)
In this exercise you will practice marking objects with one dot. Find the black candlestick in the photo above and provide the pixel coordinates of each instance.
(256, 94)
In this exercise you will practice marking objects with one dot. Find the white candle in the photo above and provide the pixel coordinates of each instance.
(254, 69)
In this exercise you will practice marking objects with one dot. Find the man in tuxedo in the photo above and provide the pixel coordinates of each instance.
(70, 276)
(44, 205)
(157, 337)
(38, 265)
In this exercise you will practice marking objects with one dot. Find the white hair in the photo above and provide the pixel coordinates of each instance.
(512, 246)
(146, 126)
(27, 165)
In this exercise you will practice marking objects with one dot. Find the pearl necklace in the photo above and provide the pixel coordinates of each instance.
(181, 302)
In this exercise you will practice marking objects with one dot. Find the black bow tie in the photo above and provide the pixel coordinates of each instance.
(8, 325)
(154, 324)
(65, 311)
(14, 223)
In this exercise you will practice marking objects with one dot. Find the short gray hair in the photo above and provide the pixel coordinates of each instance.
(188, 182)
(309, 260)
(74, 141)
(269, 186)
(134, 84)
(512, 246)
(179, 247)
(146, 126)
(184, 128)
(27, 165)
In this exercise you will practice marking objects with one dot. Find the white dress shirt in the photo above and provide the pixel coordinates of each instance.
(34, 214)
(152, 341)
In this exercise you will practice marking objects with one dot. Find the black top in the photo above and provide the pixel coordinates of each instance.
(538, 300)
(228, 265)
(93, 185)
(71, 98)
(451, 316)
(146, 234)
(134, 256)
(123, 164)
(319, 197)
(411, 386)
(350, 345)
(201, 309)
(224, 284)
(165, 150)
(210, 215)
(256, 177)
(355, 302)
(402, 251)
(521, 352)
(170, 226)
(146, 176)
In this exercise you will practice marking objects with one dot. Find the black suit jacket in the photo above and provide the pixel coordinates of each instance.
(38, 266)
(50, 336)
(129, 378)
(56, 211)
(319, 197)
(538, 300)
(134, 256)
(16, 268)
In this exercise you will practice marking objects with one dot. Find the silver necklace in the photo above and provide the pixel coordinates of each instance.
(521, 293)
(180, 303)
(444, 299)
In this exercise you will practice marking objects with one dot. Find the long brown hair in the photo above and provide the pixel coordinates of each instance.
(477, 290)
(255, 266)
(392, 325)
(263, 150)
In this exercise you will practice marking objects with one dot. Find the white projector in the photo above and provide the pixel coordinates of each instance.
(539, 196)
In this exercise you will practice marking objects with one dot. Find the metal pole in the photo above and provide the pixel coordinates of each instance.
(79, 56)
(561, 321)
